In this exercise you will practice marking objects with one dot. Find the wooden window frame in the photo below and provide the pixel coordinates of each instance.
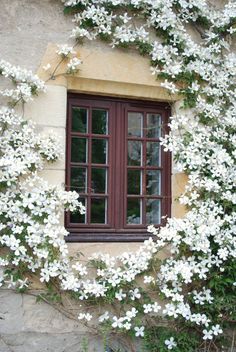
(116, 231)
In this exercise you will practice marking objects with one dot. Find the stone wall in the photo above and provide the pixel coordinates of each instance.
(27, 326)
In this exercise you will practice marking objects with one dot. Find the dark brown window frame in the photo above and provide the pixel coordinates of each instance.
(116, 232)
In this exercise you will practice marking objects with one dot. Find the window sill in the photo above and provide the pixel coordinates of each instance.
(107, 237)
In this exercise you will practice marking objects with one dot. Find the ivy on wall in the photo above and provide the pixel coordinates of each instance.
(194, 288)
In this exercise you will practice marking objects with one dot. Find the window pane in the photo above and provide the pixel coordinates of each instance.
(134, 153)
(79, 120)
(99, 121)
(79, 179)
(153, 211)
(135, 124)
(153, 179)
(134, 184)
(76, 217)
(133, 211)
(99, 151)
(98, 210)
(153, 154)
(153, 126)
(79, 150)
(99, 181)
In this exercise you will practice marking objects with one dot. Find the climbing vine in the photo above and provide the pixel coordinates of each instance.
(189, 44)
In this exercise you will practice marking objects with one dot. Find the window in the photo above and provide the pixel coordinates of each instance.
(116, 164)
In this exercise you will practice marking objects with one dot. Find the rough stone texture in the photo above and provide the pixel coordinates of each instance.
(27, 326)
(26, 27)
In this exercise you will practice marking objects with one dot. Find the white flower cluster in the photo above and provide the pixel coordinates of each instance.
(67, 52)
(26, 83)
(73, 65)
(64, 50)
(203, 146)
(30, 209)
(22, 150)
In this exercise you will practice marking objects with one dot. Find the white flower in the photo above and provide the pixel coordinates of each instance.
(148, 279)
(147, 308)
(131, 313)
(80, 268)
(120, 295)
(170, 343)
(216, 329)
(118, 322)
(139, 331)
(207, 334)
(156, 307)
(127, 325)
(64, 50)
(23, 283)
(85, 316)
(134, 294)
(170, 86)
(73, 65)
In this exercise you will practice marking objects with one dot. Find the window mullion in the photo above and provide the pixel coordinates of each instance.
(144, 164)
(89, 161)
(118, 165)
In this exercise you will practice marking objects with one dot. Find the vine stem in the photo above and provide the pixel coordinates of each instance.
(53, 76)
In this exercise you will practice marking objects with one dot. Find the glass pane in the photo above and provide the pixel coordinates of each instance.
(153, 126)
(79, 120)
(135, 124)
(134, 211)
(99, 151)
(134, 185)
(78, 179)
(79, 150)
(76, 217)
(99, 121)
(98, 211)
(153, 154)
(99, 182)
(134, 153)
(153, 211)
(153, 179)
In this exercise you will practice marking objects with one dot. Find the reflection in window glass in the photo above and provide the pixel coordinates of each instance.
(99, 180)
(134, 184)
(98, 210)
(79, 150)
(135, 124)
(99, 122)
(134, 211)
(99, 151)
(153, 182)
(153, 211)
(153, 126)
(153, 154)
(76, 217)
(78, 179)
(79, 120)
(134, 153)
